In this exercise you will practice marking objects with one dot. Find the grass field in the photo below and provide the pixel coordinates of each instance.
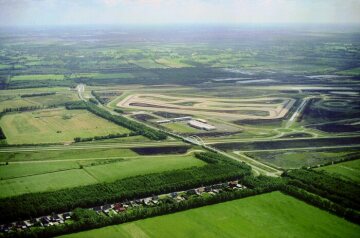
(349, 170)
(180, 127)
(141, 165)
(38, 77)
(53, 126)
(267, 215)
(83, 154)
(28, 169)
(298, 158)
(45, 182)
(44, 176)
(103, 76)
(57, 99)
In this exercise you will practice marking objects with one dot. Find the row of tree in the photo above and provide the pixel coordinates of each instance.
(315, 200)
(2, 134)
(38, 204)
(110, 136)
(137, 127)
(324, 184)
(98, 97)
(37, 94)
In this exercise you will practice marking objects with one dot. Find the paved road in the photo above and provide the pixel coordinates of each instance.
(297, 112)
(81, 89)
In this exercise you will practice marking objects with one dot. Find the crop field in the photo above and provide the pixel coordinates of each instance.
(45, 182)
(58, 99)
(227, 109)
(66, 154)
(141, 165)
(268, 215)
(290, 159)
(42, 173)
(54, 126)
(349, 170)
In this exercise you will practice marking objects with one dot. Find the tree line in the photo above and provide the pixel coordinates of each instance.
(98, 97)
(110, 136)
(2, 134)
(137, 127)
(325, 185)
(37, 94)
(325, 204)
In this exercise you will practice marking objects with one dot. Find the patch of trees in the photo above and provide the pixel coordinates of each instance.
(2, 134)
(118, 110)
(110, 136)
(26, 108)
(216, 158)
(37, 94)
(38, 204)
(323, 184)
(93, 101)
(137, 127)
(85, 219)
(97, 96)
(322, 203)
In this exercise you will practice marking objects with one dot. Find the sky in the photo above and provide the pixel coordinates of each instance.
(142, 12)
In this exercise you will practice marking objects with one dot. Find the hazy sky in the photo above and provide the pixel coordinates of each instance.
(74, 12)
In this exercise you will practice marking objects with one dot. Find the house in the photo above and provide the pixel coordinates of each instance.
(28, 223)
(106, 208)
(208, 189)
(66, 215)
(173, 195)
(118, 207)
(55, 218)
(147, 201)
(45, 221)
(21, 225)
(191, 192)
(97, 209)
(233, 184)
(200, 190)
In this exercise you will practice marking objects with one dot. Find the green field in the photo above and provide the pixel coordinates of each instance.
(267, 215)
(13, 170)
(349, 170)
(54, 126)
(45, 182)
(41, 176)
(298, 158)
(57, 99)
(38, 77)
(180, 127)
(70, 154)
(141, 165)
(102, 76)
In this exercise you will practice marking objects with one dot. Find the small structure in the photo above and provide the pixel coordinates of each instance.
(97, 209)
(200, 125)
(118, 207)
(233, 184)
(66, 215)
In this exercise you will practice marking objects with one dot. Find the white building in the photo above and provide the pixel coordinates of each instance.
(201, 125)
